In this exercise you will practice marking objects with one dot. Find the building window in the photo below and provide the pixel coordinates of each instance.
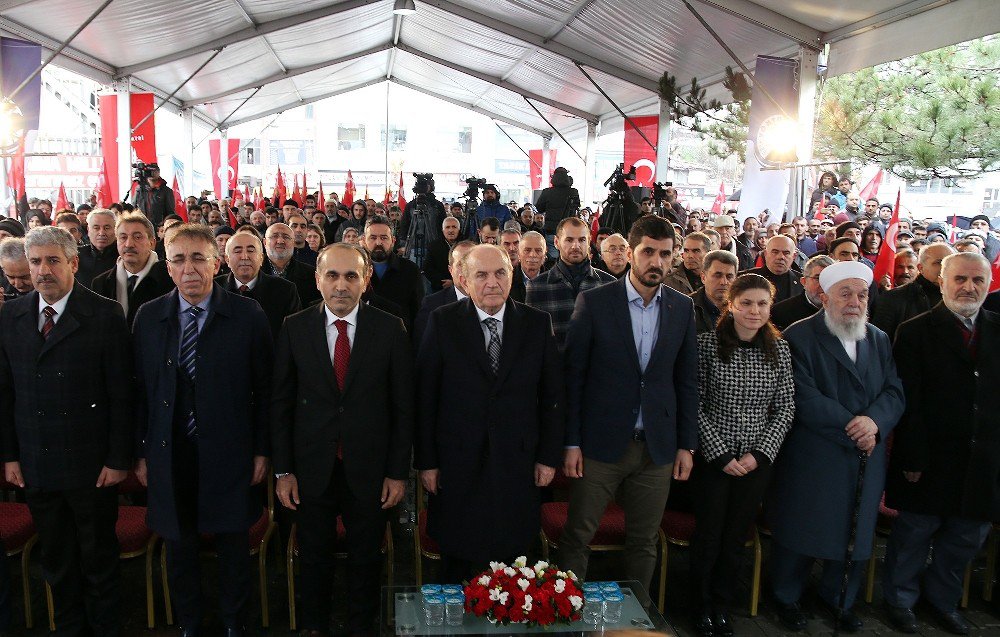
(465, 140)
(251, 153)
(350, 137)
(397, 138)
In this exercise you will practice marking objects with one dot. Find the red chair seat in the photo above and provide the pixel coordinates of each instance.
(16, 525)
(133, 534)
(257, 531)
(885, 516)
(610, 530)
(427, 543)
(677, 525)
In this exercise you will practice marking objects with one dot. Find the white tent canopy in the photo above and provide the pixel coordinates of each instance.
(487, 55)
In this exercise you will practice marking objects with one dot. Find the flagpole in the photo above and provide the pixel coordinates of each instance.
(386, 165)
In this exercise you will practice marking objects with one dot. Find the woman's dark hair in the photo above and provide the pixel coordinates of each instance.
(38, 214)
(766, 337)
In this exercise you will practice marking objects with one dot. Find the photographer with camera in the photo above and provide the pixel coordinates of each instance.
(620, 209)
(558, 201)
(491, 206)
(421, 222)
(152, 196)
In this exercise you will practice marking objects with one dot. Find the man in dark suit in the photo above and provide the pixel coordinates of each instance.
(280, 244)
(342, 423)
(942, 469)
(895, 306)
(718, 272)
(806, 304)
(100, 254)
(632, 359)
(393, 277)
(530, 262)
(139, 275)
(203, 372)
(779, 252)
(276, 296)
(66, 423)
(492, 449)
(437, 268)
(450, 294)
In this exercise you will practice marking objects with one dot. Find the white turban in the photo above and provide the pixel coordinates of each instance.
(834, 274)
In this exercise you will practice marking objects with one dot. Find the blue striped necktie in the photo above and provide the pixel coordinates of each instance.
(189, 353)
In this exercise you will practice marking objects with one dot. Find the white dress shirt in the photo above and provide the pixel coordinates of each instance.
(483, 316)
(332, 332)
(122, 275)
(251, 284)
(59, 306)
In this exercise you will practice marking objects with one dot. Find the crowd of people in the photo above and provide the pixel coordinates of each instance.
(678, 364)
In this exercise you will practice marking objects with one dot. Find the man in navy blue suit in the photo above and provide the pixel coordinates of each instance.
(203, 371)
(632, 357)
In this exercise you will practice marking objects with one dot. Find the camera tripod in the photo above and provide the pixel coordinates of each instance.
(614, 214)
(416, 238)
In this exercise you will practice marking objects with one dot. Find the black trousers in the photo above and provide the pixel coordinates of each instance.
(364, 523)
(4, 591)
(725, 509)
(183, 554)
(79, 556)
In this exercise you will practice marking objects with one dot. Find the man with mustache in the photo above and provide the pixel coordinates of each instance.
(941, 475)
(66, 422)
(280, 245)
(555, 291)
(904, 302)
(779, 254)
(629, 432)
(139, 275)
(848, 399)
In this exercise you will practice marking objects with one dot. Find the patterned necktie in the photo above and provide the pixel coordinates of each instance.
(341, 353)
(244, 288)
(493, 348)
(189, 352)
(49, 312)
(130, 285)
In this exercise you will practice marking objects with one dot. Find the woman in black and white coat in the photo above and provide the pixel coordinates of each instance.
(746, 408)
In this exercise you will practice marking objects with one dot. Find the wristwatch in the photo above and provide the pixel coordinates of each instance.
(278, 476)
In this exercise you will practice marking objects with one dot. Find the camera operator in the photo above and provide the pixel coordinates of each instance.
(491, 206)
(558, 201)
(157, 200)
(433, 210)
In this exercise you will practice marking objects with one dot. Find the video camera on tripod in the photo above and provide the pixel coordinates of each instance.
(142, 171)
(419, 234)
(616, 183)
(614, 205)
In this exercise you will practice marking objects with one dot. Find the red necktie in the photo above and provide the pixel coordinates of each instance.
(49, 312)
(341, 353)
(244, 288)
(341, 359)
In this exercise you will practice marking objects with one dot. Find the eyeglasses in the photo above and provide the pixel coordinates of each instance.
(196, 259)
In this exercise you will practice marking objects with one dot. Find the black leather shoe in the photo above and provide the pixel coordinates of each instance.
(703, 624)
(953, 622)
(720, 622)
(902, 619)
(791, 616)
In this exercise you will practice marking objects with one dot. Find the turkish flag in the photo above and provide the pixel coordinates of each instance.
(885, 262)
(258, 198)
(103, 190)
(871, 190)
(296, 194)
(305, 189)
(535, 159)
(15, 179)
(595, 225)
(61, 202)
(279, 190)
(720, 199)
(321, 200)
(349, 189)
(388, 195)
(179, 206)
(224, 179)
(640, 154)
(401, 200)
(995, 283)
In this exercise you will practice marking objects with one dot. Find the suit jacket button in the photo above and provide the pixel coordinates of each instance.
(170, 361)
(340, 410)
(163, 443)
(40, 413)
(38, 375)
(166, 404)
(635, 411)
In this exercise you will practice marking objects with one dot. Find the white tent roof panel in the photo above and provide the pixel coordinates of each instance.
(507, 47)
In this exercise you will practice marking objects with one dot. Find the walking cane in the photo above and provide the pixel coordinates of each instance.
(852, 536)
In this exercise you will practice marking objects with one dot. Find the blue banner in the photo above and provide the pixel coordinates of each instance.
(18, 60)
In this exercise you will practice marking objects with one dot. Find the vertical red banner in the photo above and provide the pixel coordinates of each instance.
(638, 152)
(224, 177)
(143, 138)
(535, 167)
